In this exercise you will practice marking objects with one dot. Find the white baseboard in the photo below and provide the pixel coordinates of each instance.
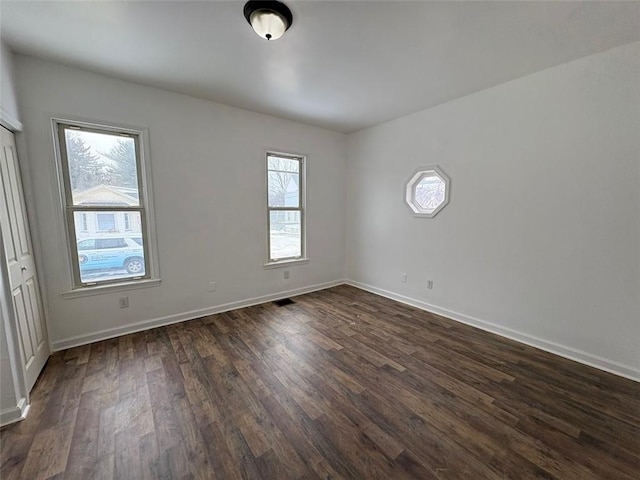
(546, 345)
(14, 414)
(181, 317)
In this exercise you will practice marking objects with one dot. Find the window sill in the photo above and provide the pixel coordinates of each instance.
(114, 287)
(286, 263)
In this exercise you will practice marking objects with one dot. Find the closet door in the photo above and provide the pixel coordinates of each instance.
(23, 281)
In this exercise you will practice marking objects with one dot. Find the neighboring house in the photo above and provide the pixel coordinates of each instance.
(288, 222)
(90, 223)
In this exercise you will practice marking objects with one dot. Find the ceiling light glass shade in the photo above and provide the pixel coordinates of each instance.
(269, 25)
(269, 19)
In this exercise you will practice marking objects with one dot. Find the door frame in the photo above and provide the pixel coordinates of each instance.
(19, 412)
(9, 122)
(7, 314)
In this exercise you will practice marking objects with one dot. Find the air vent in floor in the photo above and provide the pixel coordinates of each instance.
(283, 301)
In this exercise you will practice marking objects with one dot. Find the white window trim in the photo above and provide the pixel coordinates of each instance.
(152, 278)
(111, 288)
(410, 190)
(288, 261)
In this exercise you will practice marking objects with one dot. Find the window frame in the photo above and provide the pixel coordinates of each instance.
(415, 179)
(302, 184)
(145, 208)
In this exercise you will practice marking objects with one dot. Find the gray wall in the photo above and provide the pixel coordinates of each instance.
(8, 98)
(541, 238)
(540, 242)
(208, 167)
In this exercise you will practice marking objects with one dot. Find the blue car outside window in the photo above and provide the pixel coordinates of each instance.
(111, 253)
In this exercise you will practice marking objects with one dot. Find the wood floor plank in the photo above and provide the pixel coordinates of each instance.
(340, 384)
(83, 453)
(48, 453)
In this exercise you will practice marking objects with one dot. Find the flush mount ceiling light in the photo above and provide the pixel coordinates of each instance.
(268, 19)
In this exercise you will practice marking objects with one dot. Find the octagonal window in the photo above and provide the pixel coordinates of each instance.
(427, 191)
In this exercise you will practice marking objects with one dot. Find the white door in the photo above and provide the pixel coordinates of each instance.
(23, 281)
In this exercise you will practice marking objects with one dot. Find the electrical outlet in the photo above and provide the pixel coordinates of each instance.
(403, 278)
(429, 284)
(286, 274)
(212, 286)
(124, 302)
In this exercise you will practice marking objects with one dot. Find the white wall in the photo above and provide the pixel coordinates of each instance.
(8, 100)
(208, 169)
(541, 239)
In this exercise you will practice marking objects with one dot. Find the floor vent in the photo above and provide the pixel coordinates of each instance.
(284, 301)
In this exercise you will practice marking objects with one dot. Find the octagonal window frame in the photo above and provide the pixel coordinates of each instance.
(415, 179)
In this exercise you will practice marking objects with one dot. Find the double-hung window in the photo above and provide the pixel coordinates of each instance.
(105, 203)
(285, 207)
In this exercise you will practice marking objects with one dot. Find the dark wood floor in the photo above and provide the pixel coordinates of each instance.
(341, 384)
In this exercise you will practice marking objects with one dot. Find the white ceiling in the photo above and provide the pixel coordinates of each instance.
(342, 65)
